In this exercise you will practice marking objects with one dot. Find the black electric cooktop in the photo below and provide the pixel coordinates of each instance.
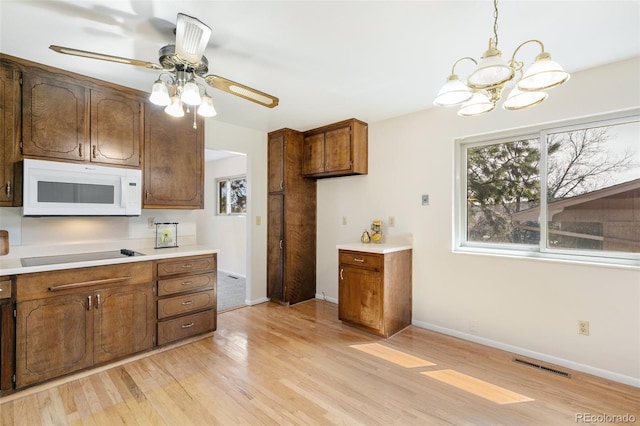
(78, 257)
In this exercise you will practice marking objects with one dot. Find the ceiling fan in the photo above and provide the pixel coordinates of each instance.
(184, 61)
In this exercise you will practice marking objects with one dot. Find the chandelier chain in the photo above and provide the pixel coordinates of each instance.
(495, 21)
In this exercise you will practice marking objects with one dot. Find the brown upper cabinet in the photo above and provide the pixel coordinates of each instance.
(10, 177)
(339, 149)
(173, 162)
(65, 119)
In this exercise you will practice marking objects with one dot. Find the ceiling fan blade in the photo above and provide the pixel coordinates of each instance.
(103, 57)
(242, 91)
(192, 37)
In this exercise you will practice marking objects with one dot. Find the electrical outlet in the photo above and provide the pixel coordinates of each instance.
(392, 221)
(344, 220)
(583, 327)
(425, 199)
(473, 326)
(151, 222)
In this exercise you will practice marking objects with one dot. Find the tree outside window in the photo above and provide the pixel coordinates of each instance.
(584, 180)
(232, 195)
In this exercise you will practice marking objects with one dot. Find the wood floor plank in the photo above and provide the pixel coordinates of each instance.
(275, 365)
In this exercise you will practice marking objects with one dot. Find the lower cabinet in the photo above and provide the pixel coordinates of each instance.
(187, 297)
(374, 291)
(6, 336)
(73, 319)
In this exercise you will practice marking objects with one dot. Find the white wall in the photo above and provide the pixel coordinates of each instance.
(222, 136)
(527, 306)
(227, 233)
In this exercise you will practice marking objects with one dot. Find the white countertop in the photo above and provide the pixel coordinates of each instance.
(11, 265)
(390, 245)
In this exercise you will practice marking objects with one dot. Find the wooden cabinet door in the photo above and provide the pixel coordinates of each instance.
(6, 345)
(275, 247)
(54, 336)
(124, 321)
(360, 296)
(337, 150)
(173, 161)
(54, 117)
(313, 154)
(9, 103)
(275, 162)
(116, 129)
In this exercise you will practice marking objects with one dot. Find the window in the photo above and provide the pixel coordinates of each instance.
(570, 192)
(232, 195)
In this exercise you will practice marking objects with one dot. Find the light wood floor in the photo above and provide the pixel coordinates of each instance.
(272, 365)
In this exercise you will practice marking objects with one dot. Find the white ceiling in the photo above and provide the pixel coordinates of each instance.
(326, 60)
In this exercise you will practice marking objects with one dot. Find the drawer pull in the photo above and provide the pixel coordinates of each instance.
(88, 303)
(187, 265)
(188, 325)
(88, 283)
(97, 301)
(188, 302)
(187, 282)
(355, 259)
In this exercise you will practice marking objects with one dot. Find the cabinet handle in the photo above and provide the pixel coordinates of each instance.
(281, 184)
(355, 259)
(8, 189)
(187, 282)
(93, 151)
(281, 244)
(187, 265)
(97, 301)
(341, 277)
(89, 303)
(188, 302)
(88, 283)
(80, 151)
(187, 325)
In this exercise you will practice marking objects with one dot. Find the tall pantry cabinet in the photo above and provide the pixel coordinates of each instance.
(291, 232)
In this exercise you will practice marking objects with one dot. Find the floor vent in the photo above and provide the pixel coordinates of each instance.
(542, 367)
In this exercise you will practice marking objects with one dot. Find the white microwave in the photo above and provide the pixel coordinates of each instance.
(54, 188)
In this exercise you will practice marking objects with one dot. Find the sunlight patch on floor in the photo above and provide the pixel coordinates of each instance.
(477, 387)
(392, 355)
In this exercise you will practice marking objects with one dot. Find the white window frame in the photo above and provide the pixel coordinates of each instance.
(541, 250)
(228, 179)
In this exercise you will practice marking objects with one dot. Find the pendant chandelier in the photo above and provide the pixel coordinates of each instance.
(483, 88)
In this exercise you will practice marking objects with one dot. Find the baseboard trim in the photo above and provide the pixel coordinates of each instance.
(256, 301)
(599, 372)
(321, 296)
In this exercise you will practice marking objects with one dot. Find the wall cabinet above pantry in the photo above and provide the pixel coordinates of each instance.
(339, 149)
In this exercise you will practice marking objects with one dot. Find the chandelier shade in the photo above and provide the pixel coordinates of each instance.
(454, 92)
(478, 104)
(543, 74)
(518, 99)
(482, 89)
(160, 94)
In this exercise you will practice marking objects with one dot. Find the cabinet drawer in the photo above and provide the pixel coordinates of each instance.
(186, 284)
(357, 258)
(185, 265)
(188, 303)
(5, 289)
(186, 326)
(41, 285)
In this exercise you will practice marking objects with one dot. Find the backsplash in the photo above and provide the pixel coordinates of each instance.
(67, 230)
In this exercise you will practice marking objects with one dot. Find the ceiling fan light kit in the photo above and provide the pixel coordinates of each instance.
(483, 88)
(176, 87)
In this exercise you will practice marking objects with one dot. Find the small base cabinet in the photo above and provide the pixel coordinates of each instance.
(187, 298)
(375, 290)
